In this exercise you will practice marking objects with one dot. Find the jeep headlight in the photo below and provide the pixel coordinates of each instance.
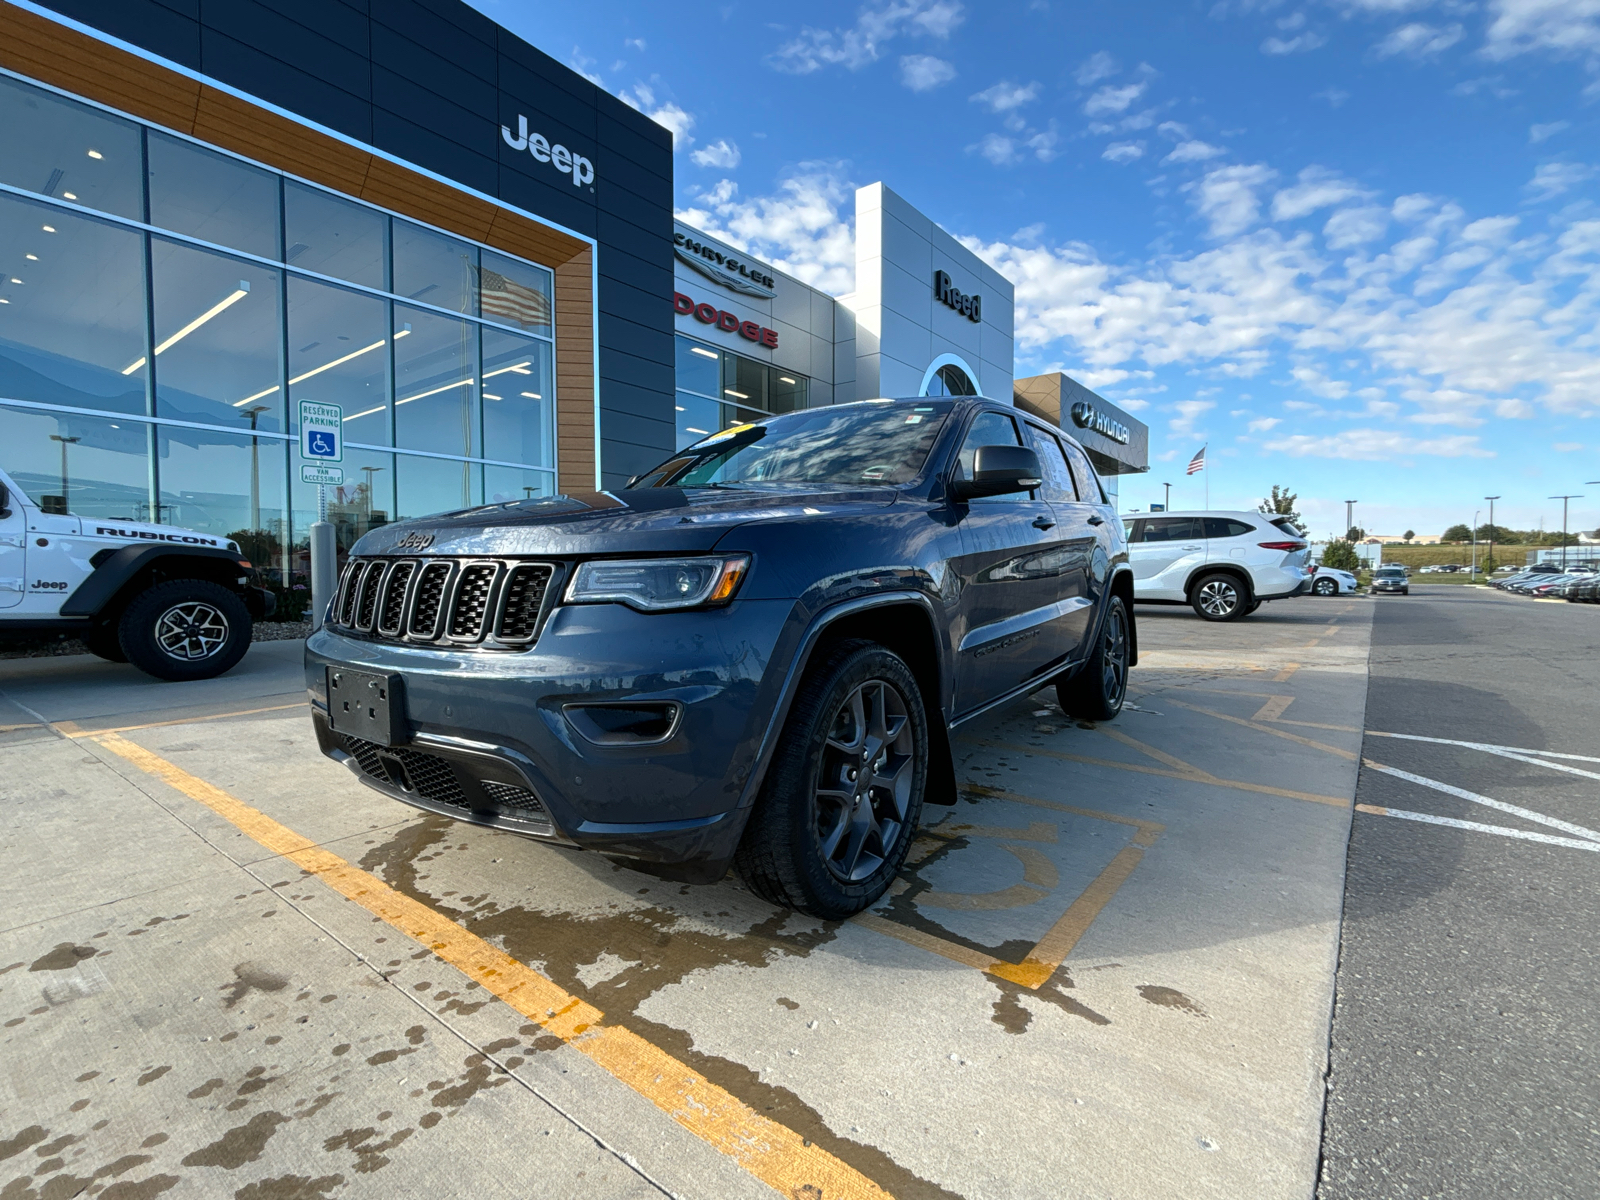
(658, 584)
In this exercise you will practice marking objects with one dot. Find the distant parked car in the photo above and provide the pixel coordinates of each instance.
(1331, 581)
(1224, 564)
(1389, 580)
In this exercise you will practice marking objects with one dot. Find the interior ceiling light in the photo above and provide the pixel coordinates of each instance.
(95, 154)
(692, 429)
(3, 300)
(533, 395)
(31, 257)
(366, 413)
(736, 395)
(15, 280)
(520, 368)
(490, 396)
(227, 301)
(704, 353)
(69, 195)
(328, 366)
(784, 379)
(48, 228)
(467, 382)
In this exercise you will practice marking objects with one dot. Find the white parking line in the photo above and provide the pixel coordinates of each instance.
(1525, 813)
(1523, 834)
(1413, 737)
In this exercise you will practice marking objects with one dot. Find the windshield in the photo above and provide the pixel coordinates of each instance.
(848, 444)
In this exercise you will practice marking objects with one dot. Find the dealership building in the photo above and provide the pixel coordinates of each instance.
(211, 217)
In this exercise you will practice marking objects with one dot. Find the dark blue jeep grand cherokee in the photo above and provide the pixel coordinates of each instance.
(756, 654)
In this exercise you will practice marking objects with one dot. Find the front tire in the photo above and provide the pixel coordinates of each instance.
(1097, 691)
(1219, 598)
(185, 629)
(1326, 587)
(843, 794)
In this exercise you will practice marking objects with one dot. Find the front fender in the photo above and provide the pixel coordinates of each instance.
(108, 579)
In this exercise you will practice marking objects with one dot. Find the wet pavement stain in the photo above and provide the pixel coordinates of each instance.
(241, 1144)
(1170, 998)
(670, 949)
(248, 976)
(153, 1074)
(370, 1155)
(16, 1144)
(1014, 1017)
(143, 1189)
(289, 1187)
(64, 957)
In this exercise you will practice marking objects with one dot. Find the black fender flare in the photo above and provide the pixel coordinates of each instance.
(941, 786)
(106, 582)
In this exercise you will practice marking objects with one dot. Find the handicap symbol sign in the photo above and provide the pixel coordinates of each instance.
(321, 431)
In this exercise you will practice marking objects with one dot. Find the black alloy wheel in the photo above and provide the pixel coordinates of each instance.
(1326, 587)
(185, 629)
(1098, 690)
(1219, 598)
(843, 793)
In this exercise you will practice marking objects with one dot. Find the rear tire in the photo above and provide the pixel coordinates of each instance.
(1098, 690)
(843, 794)
(1219, 598)
(185, 629)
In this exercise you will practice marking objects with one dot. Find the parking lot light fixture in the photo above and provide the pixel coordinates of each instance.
(1489, 563)
(1564, 499)
(1473, 576)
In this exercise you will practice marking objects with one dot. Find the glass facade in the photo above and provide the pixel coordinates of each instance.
(717, 388)
(164, 306)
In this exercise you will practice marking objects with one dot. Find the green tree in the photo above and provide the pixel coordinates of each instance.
(1341, 555)
(1410, 533)
(1496, 533)
(1281, 504)
(1355, 534)
(1457, 533)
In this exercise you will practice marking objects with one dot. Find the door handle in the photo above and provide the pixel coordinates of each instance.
(1043, 523)
(1097, 520)
(1194, 547)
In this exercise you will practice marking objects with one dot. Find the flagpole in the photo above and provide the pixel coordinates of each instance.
(1207, 470)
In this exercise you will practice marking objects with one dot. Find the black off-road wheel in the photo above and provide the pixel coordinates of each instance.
(1097, 691)
(104, 642)
(185, 629)
(843, 794)
(1219, 598)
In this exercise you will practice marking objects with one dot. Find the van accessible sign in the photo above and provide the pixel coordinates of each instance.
(568, 162)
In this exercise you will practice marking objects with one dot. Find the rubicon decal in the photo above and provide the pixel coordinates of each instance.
(710, 314)
(146, 535)
(566, 161)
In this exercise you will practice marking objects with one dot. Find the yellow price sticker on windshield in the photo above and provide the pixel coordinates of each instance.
(729, 432)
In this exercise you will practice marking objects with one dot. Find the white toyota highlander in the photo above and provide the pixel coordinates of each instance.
(1224, 564)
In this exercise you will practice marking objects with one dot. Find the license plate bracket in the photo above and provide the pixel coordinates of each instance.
(368, 705)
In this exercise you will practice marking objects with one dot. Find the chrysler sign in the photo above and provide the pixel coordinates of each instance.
(731, 271)
(1086, 416)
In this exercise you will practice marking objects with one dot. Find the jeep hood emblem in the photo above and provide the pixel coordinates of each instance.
(414, 541)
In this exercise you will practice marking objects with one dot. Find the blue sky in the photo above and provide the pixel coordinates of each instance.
(1351, 245)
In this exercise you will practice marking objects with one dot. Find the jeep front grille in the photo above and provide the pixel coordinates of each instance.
(489, 602)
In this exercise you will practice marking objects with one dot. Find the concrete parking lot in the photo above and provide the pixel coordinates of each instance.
(227, 968)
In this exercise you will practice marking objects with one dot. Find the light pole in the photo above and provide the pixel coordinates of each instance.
(1167, 505)
(371, 471)
(1350, 516)
(66, 507)
(1564, 500)
(1491, 500)
(251, 415)
(1472, 577)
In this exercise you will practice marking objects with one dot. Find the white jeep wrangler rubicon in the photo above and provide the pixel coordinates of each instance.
(174, 603)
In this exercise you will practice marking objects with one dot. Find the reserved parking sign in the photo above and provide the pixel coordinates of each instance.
(321, 432)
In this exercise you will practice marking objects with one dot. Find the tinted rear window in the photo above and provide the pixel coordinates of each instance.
(1226, 527)
(1288, 527)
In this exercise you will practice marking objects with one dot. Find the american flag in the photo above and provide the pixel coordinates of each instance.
(1198, 462)
(507, 300)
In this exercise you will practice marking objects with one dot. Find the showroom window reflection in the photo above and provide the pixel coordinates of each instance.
(717, 388)
(198, 354)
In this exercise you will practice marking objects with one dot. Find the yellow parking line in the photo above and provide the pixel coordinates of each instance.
(1293, 737)
(1283, 675)
(773, 1153)
(72, 729)
(1273, 708)
(24, 725)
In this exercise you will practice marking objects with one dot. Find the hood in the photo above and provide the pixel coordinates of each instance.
(634, 521)
(113, 530)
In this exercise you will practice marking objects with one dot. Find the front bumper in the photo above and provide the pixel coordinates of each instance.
(489, 739)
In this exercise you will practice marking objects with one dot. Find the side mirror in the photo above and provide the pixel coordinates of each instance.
(997, 470)
(5, 501)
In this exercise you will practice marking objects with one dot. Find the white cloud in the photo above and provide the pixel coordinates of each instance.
(1376, 445)
(1301, 43)
(720, 153)
(1005, 151)
(998, 149)
(924, 72)
(1543, 133)
(585, 66)
(1123, 152)
(1110, 100)
(643, 97)
(1188, 412)
(1264, 424)
(1566, 447)
(1334, 96)
(1355, 226)
(1419, 40)
(1193, 150)
(634, 43)
(863, 43)
(1099, 65)
(1561, 27)
(1515, 410)
(1227, 198)
(1006, 96)
(1317, 188)
(1553, 178)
